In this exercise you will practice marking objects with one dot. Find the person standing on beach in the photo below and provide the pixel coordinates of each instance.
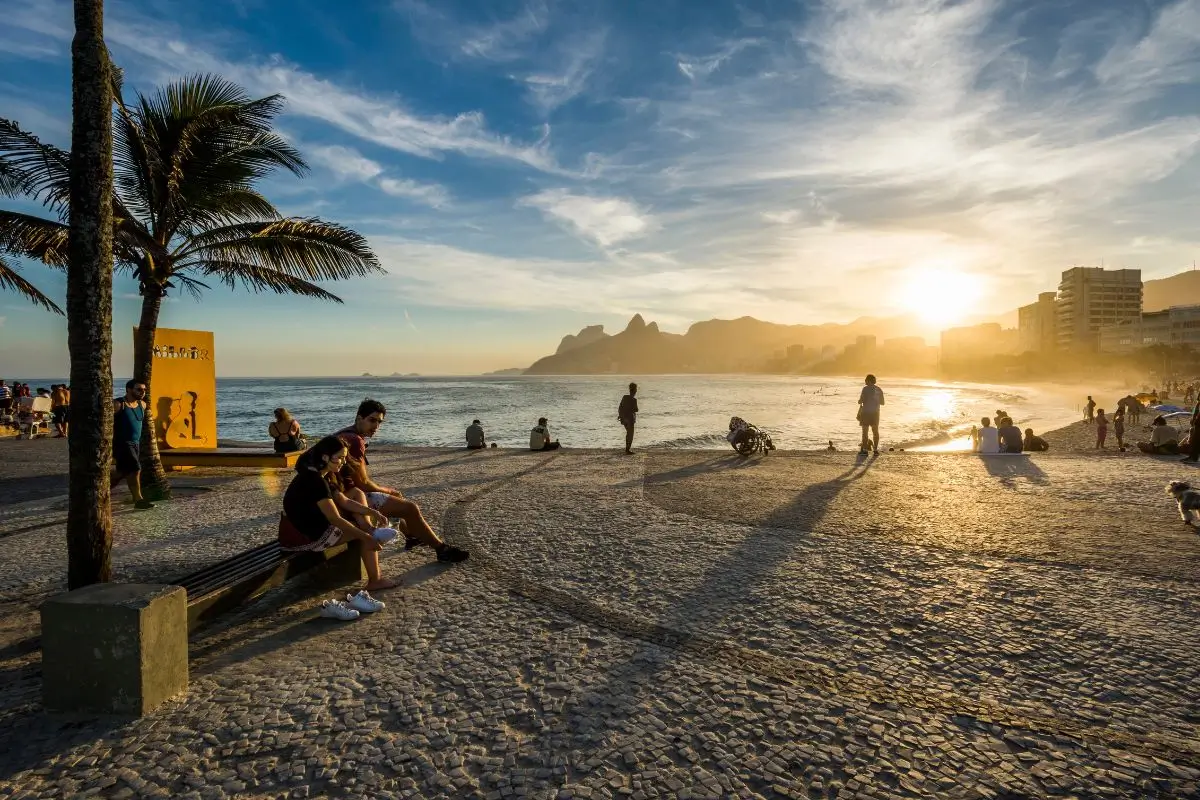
(128, 414)
(1089, 410)
(1194, 437)
(870, 400)
(627, 415)
(1119, 427)
(1101, 429)
(359, 487)
(60, 403)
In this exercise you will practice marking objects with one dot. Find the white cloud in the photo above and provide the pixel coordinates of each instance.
(697, 67)
(345, 162)
(604, 220)
(563, 81)
(432, 195)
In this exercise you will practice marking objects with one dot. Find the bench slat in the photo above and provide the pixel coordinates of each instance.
(232, 573)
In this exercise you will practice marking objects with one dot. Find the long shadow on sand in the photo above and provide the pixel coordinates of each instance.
(731, 583)
(1007, 468)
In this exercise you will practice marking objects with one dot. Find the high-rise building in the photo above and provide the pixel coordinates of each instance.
(1039, 331)
(1091, 297)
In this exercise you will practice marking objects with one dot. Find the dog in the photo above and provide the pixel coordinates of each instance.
(1187, 498)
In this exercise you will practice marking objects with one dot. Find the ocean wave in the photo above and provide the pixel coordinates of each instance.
(698, 442)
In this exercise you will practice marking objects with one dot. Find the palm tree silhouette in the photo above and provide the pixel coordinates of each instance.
(185, 209)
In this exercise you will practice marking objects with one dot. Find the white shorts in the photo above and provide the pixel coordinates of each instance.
(375, 500)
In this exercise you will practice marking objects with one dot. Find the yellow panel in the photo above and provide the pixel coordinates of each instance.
(184, 389)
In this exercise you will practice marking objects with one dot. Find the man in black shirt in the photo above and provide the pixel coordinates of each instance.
(627, 414)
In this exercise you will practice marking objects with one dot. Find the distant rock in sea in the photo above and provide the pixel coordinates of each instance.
(367, 375)
(509, 371)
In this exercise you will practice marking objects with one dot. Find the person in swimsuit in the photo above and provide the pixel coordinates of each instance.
(129, 412)
(285, 430)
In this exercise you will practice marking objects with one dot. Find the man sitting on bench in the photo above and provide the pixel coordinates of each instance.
(359, 486)
(311, 518)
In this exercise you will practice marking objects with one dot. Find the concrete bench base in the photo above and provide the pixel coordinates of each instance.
(114, 648)
(184, 458)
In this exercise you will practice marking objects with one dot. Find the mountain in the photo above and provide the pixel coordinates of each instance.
(1177, 290)
(592, 333)
(718, 345)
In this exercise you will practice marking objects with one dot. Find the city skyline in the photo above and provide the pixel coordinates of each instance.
(526, 169)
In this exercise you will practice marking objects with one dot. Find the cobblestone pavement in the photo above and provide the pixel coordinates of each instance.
(674, 624)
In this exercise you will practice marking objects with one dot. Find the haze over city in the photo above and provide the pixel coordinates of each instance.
(524, 169)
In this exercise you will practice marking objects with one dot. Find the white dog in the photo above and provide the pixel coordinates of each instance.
(1187, 498)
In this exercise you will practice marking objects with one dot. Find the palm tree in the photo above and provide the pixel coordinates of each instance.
(89, 301)
(185, 209)
(10, 278)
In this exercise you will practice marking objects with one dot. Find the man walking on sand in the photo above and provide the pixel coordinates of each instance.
(128, 414)
(1089, 410)
(870, 399)
(390, 502)
(627, 415)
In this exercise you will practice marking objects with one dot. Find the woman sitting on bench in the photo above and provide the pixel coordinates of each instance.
(311, 519)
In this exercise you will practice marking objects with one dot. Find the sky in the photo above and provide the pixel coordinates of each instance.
(524, 168)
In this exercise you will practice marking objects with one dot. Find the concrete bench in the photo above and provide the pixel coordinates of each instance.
(119, 648)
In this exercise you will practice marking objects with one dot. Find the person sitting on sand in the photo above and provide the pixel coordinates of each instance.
(539, 437)
(475, 437)
(988, 437)
(285, 430)
(312, 506)
(360, 488)
(1034, 444)
(1164, 441)
(1101, 429)
(1009, 435)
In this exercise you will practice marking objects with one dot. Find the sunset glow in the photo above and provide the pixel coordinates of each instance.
(942, 296)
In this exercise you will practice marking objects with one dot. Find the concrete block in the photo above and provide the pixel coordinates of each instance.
(114, 648)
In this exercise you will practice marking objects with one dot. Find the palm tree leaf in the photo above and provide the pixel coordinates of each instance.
(34, 237)
(190, 285)
(9, 279)
(227, 208)
(37, 169)
(258, 278)
(306, 248)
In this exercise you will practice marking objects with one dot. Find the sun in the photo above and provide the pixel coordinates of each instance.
(941, 296)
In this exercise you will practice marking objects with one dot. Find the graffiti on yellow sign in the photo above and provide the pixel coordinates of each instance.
(184, 389)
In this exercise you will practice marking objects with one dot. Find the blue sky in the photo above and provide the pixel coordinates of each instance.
(524, 168)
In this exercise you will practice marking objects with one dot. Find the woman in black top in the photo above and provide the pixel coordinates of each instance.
(311, 517)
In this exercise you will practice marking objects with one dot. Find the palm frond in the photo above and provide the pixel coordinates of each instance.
(190, 285)
(39, 170)
(226, 208)
(258, 278)
(34, 237)
(12, 281)
(306, 248)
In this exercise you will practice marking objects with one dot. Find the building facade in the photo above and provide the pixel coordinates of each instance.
(1090, 298)
(1038, 325)
(977, 341)
(1177, 325)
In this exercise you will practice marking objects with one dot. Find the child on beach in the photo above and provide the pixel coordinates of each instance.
(1101, 428)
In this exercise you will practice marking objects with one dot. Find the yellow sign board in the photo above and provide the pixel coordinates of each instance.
(184, 389)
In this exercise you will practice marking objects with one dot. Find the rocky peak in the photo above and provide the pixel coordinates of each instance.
(592, 333)
(636, 324)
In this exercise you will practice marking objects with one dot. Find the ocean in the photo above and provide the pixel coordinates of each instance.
(677, 411)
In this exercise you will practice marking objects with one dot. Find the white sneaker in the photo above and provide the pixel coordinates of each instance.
(335, 609)
(364, 602)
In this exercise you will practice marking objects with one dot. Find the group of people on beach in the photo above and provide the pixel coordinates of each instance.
(1165, 438)
(539, 435)
(1004, 437)
(16, 406)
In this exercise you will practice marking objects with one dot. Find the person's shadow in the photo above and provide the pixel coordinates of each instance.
(1008, 468)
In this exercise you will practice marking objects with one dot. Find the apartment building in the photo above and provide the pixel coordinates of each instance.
(1176, 325)
(1037, 324)
(1090, 298)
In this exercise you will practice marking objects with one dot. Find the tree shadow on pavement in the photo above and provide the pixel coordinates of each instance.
(730, 583)
(32, 487)
(1008, 468)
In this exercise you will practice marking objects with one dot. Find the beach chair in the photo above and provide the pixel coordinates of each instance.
(33, 413)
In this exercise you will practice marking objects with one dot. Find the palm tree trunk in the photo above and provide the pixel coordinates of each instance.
(89, 302)
(154, 478)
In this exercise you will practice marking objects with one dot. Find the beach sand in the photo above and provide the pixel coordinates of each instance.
(668, 624)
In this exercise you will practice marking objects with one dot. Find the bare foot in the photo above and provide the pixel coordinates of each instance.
(383, 585)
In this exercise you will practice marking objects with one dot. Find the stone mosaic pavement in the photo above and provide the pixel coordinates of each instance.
(673, 624)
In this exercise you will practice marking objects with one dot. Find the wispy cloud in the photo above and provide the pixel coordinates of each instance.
(345, 162)
(603, 220)
(560, 82)
(697, 67)
(430, 194)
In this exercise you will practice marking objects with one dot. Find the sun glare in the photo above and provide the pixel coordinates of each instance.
(941, 296)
